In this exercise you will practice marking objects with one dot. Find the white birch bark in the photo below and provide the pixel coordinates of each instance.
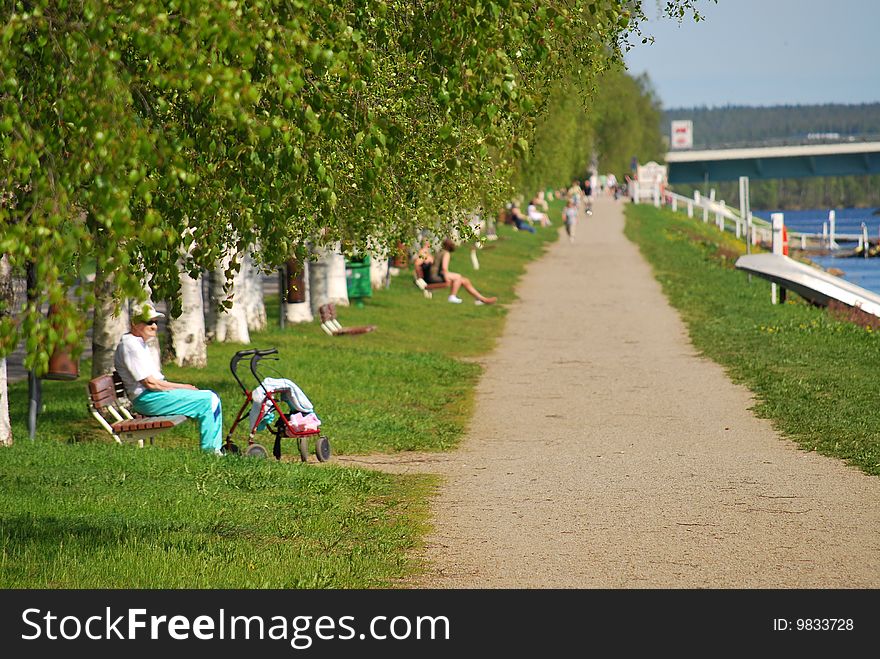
(228, 325)
(211, 290)
(153, 344)
(5, 425)
(299, 312)
(6, 296)
(378, 267)
(186, 344)
(327, 282)
(255, 305)
(318, 277)
(337, 286)
(110, 321)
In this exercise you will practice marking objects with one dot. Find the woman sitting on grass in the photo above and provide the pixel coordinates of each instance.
(535, 215)
(440, 270)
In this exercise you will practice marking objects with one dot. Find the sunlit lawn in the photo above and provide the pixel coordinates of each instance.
(80, 511)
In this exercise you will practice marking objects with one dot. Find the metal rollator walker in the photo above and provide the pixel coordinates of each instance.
(270, 414)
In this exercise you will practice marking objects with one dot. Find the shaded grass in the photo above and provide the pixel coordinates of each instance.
(812, 372)
(88, 517)
(78, 511)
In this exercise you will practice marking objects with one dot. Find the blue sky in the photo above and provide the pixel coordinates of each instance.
(763, 52)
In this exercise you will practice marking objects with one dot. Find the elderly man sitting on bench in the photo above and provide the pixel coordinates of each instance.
(152, 395)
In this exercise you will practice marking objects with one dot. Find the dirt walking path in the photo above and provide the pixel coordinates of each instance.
(605, 453)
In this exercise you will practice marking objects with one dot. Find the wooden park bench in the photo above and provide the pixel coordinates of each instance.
(110, 407)
(333, 327)
(426, 288)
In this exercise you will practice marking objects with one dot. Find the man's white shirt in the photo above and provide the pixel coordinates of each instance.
(134, 362)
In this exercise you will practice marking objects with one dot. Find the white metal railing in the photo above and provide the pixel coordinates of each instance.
(728, 218)
(724, 217)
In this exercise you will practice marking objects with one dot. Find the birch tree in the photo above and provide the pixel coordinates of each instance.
(109, 322)
(186, 343)
(6, 303)
(319, 284)
(337, 284)
(378, 270)
(298, 305)
(228, 313)
(327, 282)
(253, 298)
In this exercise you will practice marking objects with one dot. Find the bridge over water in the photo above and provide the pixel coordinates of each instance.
(844, 159)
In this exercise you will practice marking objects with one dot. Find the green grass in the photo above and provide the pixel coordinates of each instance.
(78, 511)
(812, 374)
(88, 517)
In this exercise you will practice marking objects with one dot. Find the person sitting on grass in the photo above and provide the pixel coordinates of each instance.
(152, 395)
(535, 215)
(440, 269)
(519, 220)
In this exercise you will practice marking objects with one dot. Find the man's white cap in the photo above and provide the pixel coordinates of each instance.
(148, 312)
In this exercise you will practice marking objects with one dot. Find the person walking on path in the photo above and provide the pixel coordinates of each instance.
(612, 455)
(152, 395)
(569, 218)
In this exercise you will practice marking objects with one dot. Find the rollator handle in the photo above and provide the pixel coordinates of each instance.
(233, 365)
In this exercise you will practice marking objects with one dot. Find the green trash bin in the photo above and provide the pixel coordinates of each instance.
(357, 279)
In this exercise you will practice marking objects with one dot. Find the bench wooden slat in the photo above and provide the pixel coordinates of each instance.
(148, 423)
(102, 391)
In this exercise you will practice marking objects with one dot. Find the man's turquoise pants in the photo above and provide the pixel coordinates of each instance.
(200, 404)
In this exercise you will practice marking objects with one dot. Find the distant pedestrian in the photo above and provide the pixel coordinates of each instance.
(574, 192)
(587, 187)
(569, 218)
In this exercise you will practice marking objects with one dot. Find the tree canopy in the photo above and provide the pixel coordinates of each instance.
(132, 132)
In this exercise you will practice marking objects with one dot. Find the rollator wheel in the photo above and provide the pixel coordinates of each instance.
(230, 449)
(304, 448)
(256, 451)
(322, 448)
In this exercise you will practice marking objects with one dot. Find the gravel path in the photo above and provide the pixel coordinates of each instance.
(605, 453)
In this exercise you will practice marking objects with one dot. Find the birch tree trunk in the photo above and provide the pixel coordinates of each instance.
(186, 344)
(378, 268)
(228, 325)
(298, 308)
(110, 321)
(153, 344)
(337, 286)
(6, 303)
(318, 281)
(255, 305)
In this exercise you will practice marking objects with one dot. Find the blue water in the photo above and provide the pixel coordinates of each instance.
(860, 271)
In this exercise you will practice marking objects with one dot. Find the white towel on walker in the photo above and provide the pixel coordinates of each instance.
(290, 394)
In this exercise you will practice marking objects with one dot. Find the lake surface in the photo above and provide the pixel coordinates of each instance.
(860, 271)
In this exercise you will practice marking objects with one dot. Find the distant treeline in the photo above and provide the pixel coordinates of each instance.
(797, 193)
(738, 126)
(735, 125)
